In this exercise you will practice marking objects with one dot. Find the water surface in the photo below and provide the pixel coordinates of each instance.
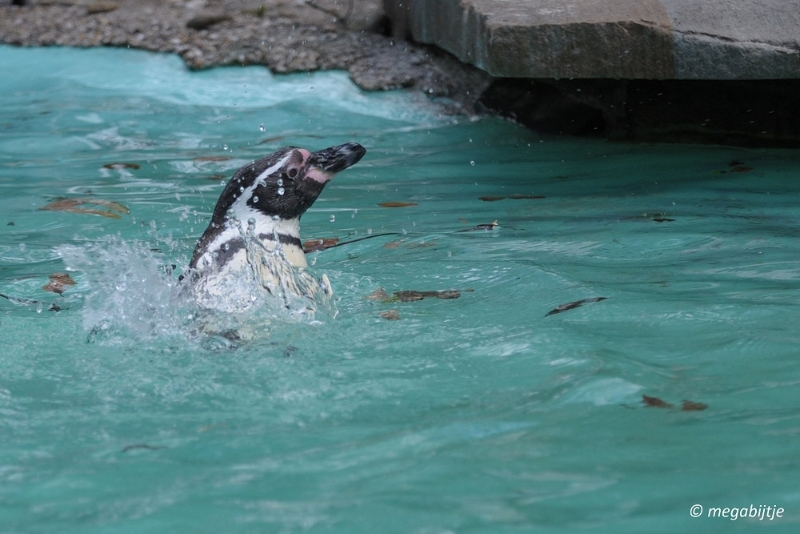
(476, 414)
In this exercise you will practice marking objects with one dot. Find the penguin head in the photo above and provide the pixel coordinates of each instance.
(284, 184)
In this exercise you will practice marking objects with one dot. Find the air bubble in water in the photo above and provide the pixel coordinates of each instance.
(333, 218)
(281, 191)
(369, 231)
(261, 127)
(280, 182)
(472, 163)
(255, 199)
(251, 223)
(224, 147)
(241, 189)
(276, 218)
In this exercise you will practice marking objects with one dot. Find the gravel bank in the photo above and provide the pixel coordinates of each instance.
(283, 35)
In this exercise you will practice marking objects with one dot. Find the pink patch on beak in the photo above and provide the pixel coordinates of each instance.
(319, 175)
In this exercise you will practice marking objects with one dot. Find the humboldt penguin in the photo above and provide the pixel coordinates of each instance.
(255, 228)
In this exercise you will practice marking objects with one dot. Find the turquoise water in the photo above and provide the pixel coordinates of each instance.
(476, 414)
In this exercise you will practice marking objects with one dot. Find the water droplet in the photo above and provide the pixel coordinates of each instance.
(224, 147)
(241, 189)
(281, 191)
(280, 182)
(333, 218)
(472, 163)
(405, 231)
(369, 231)
(226, 247)
(470, 139)
(353, 215)
(251, 223)
(262, 127)
(314, 260)
(255, 200)
(276, 218)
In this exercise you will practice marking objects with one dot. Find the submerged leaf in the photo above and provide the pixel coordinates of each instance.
(72, 205)
(396, 204)
(691, 406)
(390, 315)
(378, 294)
(134, 166)
(490, 198)
(412, 296)
(59, 282)
(573, 305)
(655, 402)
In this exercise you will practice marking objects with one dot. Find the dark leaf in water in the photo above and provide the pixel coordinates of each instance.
(396, 204)
(662, 219)
(741, 169)
(393, 244)
(735, 163)
(315, 245)
(59, 282)
(573, 305)
(54, 307)
(691, 406)
(390, 315)
(518, 196)
(212, 158)
(11, 223)
(216, 177)
(118, 166)
(655, 402)
(490, 198)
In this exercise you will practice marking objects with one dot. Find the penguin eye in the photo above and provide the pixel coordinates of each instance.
(292, 172)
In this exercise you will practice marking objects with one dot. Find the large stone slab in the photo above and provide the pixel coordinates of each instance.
(632, 39)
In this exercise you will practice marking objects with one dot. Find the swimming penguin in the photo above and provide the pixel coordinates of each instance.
(255, 229)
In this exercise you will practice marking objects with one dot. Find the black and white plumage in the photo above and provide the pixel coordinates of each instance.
(255, 227)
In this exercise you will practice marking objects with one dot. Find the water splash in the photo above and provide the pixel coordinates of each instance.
(131, 295)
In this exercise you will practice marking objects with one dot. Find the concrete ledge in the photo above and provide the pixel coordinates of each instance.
(643, 39)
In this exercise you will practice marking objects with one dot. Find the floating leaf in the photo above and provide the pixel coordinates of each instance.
(213, 158)
(490, 198)
(72, 205)
(572, 305)
(118, 166)
(216, 177)
(691, 406)
(394, 244)
(396, 204)
(655, 402)
(390, 315)
(662, 219)
(315, 245)
(378, 294)
(59, 282)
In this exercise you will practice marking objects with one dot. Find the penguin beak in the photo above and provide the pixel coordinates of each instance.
(337, 158)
